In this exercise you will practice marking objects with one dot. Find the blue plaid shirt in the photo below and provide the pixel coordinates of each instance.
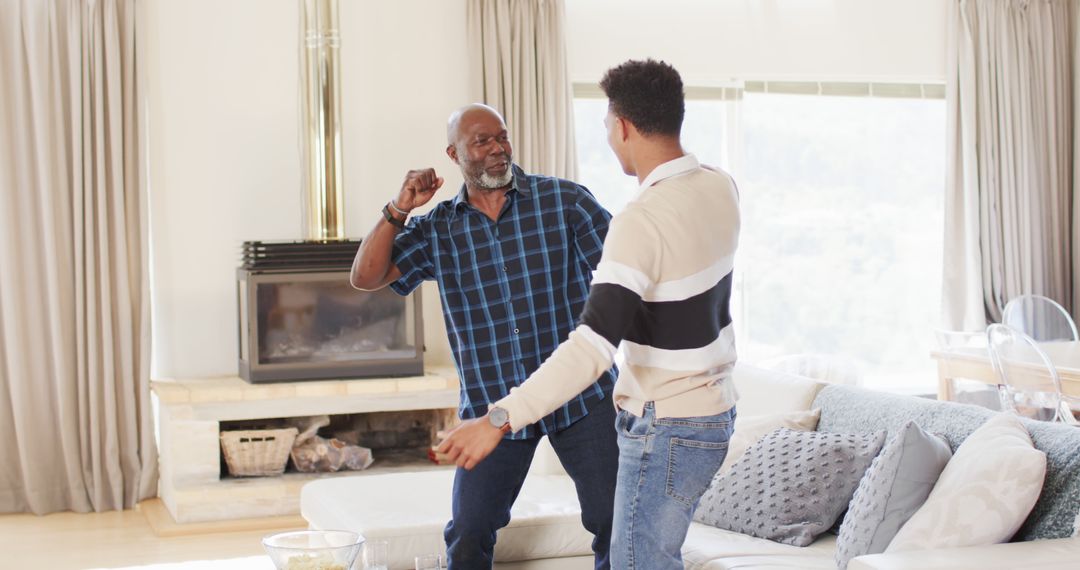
(512, 289)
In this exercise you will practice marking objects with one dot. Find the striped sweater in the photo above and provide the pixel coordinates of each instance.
(661, 293)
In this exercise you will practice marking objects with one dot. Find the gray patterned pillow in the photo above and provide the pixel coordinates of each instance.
(894, 487)
(789, 487)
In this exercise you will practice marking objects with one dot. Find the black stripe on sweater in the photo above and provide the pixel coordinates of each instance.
(616, 313)
(689, 323)
(610, 310)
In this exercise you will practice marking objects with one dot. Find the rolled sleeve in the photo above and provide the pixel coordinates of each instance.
(411, 254)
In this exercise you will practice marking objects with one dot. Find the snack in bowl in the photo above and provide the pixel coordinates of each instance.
(309, 562)
(313, 549)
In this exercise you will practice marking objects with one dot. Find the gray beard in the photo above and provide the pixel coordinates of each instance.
(489, 182)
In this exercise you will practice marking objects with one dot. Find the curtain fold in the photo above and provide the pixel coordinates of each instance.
(75, 419)
(1076, 168)
(517, 53)
(1008, 207)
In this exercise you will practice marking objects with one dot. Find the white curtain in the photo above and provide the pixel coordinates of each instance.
(1076, 170)
(1009, 190)
(517, 53)
(75, 420)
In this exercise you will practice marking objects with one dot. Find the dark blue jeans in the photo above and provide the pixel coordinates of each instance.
(589, 452)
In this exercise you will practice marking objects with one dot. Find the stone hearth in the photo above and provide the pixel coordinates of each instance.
(190, 413)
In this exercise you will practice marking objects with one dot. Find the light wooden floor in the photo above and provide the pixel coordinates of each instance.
(117, 539)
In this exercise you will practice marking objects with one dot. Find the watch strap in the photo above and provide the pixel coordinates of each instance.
(390, 217)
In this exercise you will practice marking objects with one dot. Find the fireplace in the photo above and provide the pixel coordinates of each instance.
(300, 319)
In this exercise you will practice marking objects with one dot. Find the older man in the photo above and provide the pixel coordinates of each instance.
(513, 255)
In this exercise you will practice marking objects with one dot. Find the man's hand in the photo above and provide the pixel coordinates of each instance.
(470, 442)
(418, 188)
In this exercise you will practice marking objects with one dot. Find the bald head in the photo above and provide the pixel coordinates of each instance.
(465, 116)
(477, 141)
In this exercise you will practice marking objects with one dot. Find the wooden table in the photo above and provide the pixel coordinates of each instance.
(974, 364)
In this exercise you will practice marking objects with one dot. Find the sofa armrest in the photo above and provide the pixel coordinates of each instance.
(1045, 554)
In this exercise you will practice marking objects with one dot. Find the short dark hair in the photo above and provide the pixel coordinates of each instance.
(647, 93)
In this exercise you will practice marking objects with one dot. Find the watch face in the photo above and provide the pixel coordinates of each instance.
(498, 417)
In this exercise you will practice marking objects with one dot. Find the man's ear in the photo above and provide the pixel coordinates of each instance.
(451, 151)
(624, 127)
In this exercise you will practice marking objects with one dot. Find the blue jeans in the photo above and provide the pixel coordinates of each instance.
(665, 465)
(483, 496)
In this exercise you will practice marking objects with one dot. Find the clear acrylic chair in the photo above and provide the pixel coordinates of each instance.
(966, 390)
(1040, 318)
(1029, 380)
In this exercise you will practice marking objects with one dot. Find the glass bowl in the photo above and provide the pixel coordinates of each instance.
(313, 549)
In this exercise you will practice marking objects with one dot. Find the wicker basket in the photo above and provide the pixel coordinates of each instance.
(257, 452)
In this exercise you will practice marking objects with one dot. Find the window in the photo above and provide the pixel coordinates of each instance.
(842, 220)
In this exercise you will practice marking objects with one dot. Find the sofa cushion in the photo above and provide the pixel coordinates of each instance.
(789, 487)
(984, 494)
(708, 547)
(893, 488)
(750, 429)
(847, 409)
(764, 392)
(1056, 554)
(769, 563)
(410, 510)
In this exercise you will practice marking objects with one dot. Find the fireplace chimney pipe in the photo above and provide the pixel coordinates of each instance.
(320, 110)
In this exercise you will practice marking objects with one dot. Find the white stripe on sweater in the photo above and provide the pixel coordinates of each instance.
(691, 285)
(601, 344)
(618, 274)
(717, 353)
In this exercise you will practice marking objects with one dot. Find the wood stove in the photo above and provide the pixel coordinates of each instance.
(300, 319)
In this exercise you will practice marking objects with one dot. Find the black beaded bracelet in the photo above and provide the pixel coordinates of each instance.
(390, 218)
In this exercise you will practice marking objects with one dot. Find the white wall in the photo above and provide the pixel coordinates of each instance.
(224, 161)
(712, 41)
(221, 81)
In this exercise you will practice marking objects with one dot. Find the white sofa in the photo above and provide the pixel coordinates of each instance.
(410, 509)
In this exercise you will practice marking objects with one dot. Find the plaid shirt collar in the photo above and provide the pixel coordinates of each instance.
(519, 184)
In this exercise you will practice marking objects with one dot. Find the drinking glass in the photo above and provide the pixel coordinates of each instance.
(429, 562)
(375, 555)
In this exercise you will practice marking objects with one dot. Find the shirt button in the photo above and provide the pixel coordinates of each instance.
(505, 269)
(516, 331)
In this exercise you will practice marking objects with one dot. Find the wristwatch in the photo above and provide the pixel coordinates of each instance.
(394, 221)
(499, 418)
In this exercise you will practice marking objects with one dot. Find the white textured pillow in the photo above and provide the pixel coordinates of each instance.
(750, 429)
(984, 494)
